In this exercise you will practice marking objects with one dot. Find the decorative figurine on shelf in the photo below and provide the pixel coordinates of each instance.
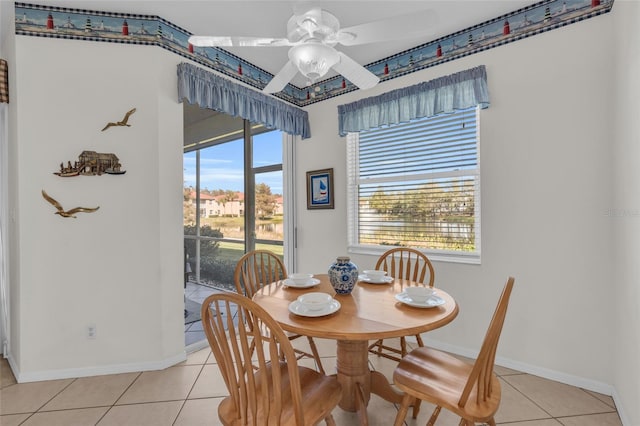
(68, 213)
(124, 121)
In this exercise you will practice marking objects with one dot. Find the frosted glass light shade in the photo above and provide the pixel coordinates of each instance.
(313, 59)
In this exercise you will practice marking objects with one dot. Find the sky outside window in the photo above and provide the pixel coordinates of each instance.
(222, 166)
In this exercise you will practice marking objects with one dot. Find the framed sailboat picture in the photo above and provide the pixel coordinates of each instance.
(320, 189)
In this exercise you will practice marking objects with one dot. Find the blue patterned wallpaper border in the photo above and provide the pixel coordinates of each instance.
(81, 24)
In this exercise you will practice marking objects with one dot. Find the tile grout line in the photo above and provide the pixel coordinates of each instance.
(598, 399)
(57, 393)
(527, 396)
(557, 418)
(46, 402)
(118, 398)
(190, 390)
(607, 408)
(587, 415)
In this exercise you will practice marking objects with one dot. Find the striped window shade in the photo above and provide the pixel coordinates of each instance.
(416, 184)
(4, 82)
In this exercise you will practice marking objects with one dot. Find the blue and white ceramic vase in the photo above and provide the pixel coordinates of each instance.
(343, 275)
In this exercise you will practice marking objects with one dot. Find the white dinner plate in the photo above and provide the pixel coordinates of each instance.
(310, 283)
(298, 308)
(366, 279)
(431, 302)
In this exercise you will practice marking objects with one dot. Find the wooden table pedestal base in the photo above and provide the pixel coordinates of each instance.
(358, 382)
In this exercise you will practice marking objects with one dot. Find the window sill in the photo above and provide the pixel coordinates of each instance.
(437, 256)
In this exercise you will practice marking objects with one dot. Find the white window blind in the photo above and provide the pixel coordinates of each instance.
(416, 184)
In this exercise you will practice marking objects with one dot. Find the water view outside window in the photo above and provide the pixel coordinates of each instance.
(214, 185)
(416, 184)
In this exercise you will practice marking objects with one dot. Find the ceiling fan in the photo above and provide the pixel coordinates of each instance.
(312, 36)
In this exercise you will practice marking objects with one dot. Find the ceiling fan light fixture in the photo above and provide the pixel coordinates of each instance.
(313, 60)
(315, 23)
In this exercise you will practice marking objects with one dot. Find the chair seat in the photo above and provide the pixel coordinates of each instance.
(321, 395)
(440, 378)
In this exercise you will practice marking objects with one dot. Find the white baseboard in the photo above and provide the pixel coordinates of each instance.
(588, 384)
(569, 379)
(72, 373)
(624, 418)
(197, 346)
(557, 376)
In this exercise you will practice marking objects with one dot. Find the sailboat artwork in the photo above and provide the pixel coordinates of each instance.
(320, 189)
(321, 192)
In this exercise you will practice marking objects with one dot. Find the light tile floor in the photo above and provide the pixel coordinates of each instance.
(188, 394)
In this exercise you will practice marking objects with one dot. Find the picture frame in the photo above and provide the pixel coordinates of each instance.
(320, 189)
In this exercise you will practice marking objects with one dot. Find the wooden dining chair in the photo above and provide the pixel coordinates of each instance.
(472, 391)
(258, 268)
(279, 391)
(409, 264)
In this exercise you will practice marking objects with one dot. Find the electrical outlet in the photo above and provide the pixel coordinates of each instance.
(91, 332)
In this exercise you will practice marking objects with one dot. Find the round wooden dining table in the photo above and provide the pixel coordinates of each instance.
(370, 312)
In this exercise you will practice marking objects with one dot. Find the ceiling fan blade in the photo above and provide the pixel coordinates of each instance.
(216, 41)
(407, 26)
(355, 73)
(280, 80)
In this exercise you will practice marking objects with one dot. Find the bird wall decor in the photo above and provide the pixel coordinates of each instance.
(123, 122)
(67, 213)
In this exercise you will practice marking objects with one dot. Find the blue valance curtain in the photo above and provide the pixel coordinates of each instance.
(445, 94)
(208, 90)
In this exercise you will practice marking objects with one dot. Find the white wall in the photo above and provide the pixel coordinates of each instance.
(547, 179)
(7, 41)
(546, 182)
(5, 19)
(119, 268)
(626, 224)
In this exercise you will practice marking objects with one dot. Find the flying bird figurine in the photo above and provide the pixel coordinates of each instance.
(68, 213)
(124, 121)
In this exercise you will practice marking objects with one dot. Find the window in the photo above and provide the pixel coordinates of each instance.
(233, 175)
(416, 184)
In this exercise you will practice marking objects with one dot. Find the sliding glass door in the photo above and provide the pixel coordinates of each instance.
(234, 199)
